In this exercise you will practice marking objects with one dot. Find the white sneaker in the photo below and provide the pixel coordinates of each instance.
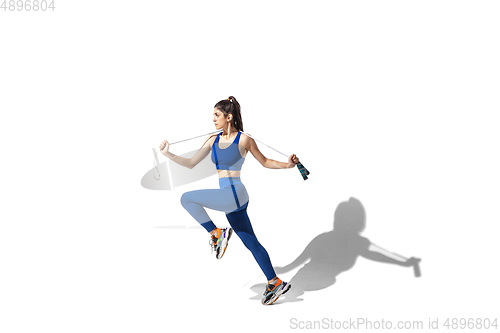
(219, 242)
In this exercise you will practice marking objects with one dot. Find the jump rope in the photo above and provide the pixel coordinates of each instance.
(303, 171)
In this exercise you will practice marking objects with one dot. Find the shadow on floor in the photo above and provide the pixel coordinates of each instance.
(334, 252)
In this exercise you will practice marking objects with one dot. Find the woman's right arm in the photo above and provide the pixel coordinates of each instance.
(188, 162)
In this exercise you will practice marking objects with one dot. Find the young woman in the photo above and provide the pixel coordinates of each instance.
(229, 149)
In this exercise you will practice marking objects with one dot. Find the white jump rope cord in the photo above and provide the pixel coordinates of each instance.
(221, 131)
(266, 145)
(156, 162)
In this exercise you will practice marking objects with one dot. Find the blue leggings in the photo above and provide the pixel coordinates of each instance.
(231, 198)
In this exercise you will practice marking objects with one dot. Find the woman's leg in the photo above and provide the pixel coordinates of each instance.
(241, 225)
(217, 199)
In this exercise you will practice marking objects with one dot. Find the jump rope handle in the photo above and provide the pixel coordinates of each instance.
(303, 171)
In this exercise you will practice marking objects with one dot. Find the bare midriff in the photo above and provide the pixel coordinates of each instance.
(229, 173)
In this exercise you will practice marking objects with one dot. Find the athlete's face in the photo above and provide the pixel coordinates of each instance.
(220, 121)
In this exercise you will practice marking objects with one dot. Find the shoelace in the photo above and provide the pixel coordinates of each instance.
(269, 288)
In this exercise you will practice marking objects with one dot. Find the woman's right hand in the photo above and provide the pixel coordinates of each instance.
(164, 147)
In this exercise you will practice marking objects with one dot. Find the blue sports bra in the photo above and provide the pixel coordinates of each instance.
(228, 158)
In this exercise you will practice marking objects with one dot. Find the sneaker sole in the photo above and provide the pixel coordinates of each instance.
(279, 293)
(225, 242)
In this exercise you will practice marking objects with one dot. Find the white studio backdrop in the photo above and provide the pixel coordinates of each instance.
(392, 103)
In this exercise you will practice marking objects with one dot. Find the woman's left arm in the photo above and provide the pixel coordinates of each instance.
(251, 146)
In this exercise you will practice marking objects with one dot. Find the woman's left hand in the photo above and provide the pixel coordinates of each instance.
(292, 161)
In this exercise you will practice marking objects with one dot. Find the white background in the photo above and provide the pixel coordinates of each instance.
(394, 103)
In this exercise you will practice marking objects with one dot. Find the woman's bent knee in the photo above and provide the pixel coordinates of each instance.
(185, 199)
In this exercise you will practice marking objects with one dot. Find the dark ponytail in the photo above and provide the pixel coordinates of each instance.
(231, 106)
